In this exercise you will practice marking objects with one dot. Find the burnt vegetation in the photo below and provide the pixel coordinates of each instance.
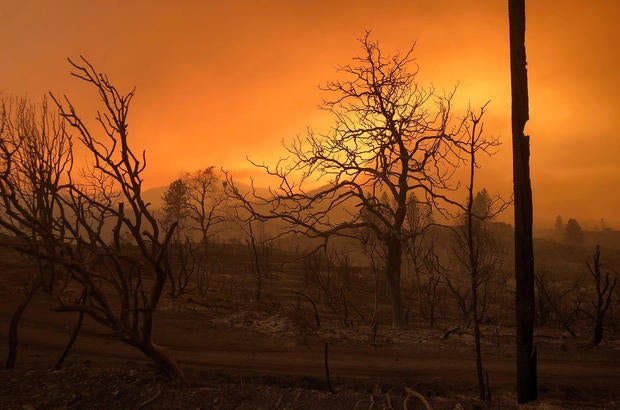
(396, 241)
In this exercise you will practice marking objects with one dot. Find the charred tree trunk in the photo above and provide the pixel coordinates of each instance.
(164, 363)
(12, 335)
(604, 291)
(392, 272)
(170, 276)
(326, 362)
(598, 334)
(74, 335)
(527, 384)
(257, 263)
(71, 342)
(473, 241)
(477, 340)
(13, 340)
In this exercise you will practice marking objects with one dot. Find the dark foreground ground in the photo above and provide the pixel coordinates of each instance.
(254, 357)
(131, 387)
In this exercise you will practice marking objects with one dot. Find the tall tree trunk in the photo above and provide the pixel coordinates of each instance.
(473, 252)
(392, 272)
(527, 384)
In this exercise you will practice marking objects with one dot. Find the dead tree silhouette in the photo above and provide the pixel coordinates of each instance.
(391, 137)
(122, 282)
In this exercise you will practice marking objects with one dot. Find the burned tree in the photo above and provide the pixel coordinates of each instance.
(121, 283)
(175, 213)
(35, 155)
(206, 201)
(527, 383)
(259, 242)
(420, 248)
(391, 137)
(175, 210)
(604, 288)
(475, 250)
(195, 204)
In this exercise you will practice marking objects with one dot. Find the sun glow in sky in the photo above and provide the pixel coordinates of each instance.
(218, 81)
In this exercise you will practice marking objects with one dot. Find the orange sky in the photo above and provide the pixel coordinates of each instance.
(219, 80)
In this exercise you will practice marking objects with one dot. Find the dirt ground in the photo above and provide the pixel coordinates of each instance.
(256, 357)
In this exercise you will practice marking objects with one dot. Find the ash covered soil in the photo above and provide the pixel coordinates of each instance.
(258, 356)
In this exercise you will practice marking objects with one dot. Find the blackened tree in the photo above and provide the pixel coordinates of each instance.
(122, 284)
(604, 287)
(527, 382)
(391, 137)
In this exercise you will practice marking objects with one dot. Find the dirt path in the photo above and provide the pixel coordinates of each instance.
(198, 344)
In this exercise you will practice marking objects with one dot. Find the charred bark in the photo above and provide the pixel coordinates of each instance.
(392, 272)
(13, 340)
(163, 361)
(527, 384)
